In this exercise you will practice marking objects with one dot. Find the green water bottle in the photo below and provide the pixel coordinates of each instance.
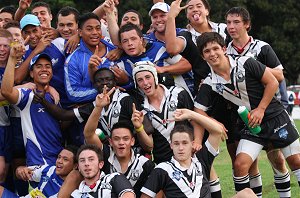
(100, 134)
(243, 112)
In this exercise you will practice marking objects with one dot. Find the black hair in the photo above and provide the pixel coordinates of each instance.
(242, 12)
(9, 9)
(101, 70)
(128, 27)
(122, 124)
(83, 18)
(91, 147)
(41, 4)
(208, 37)
(66, 11)
(138, 13)
(12, 23)
(182, 128)
(73, 149)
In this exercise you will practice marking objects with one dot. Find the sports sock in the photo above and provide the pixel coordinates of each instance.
(241, 182)
(256, 184)
(297, 174)
(215, 188)
(282, 183)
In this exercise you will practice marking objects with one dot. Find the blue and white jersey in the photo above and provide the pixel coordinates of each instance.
(4, 105)
(157, 54)
(49, 181)
(78, 84)
(43, 138)
(56, 52)
(152, 38)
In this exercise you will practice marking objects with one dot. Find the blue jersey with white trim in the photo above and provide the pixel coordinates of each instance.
(43, 138)
(49, 181)
(78, 85)
(56, 52)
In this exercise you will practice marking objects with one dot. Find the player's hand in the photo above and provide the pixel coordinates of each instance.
(197, 146)
(24, 173)
(115, 54)
(54, 94)
(24, 4)
(175, 8)
(255, 117)
(95, 59)
(160, 70)
(120, 75)
(72, 44)
(43, 43)
(17, 49)
(103, 99)
(182, 114)
(39, 96)
(137, 117)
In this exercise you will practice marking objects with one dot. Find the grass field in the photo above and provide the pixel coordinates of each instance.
(223, 166)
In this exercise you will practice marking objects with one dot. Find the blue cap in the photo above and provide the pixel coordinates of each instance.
(37, 57)
(29, 19)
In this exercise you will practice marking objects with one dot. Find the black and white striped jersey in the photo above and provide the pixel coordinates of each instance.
(108, 186)
(139, 168)
(180, 182)
(162, 120)
(243, 89)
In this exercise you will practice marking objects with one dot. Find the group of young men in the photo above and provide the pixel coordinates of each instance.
(150, 98)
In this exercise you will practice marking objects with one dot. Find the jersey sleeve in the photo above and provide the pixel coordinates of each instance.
(204, 98)
(206, 156)
(82, 113)
(185, 100)
(254, 68)
(156, 182)
(121, 185)
(38, 171)
(74, 75)
(23, 97)
(268, 57)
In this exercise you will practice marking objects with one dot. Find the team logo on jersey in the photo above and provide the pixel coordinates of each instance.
(45, 178)
(41, 110)
(172, 105)
(135, 174)
(115, 112)
(54, 61)
(85, 195)
(106, 186)
(283, 133)
(252, 54)
(240, 77)
(177, 175)
(220, 88)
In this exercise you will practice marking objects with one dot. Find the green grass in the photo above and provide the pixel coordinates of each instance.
(223, 166)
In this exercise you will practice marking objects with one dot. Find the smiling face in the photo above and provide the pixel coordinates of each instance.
(132, 43)
(131, 17)
(67, 26)
(159, 20)
(196, 12)
(146, 83)
(91, 33)
(41, 72)
(5, 17)
(34, 33)
(64, 163)
(43, 15)
(182, 146)
(4, 50)
(214, 54)
(121, 141)
(89, 165)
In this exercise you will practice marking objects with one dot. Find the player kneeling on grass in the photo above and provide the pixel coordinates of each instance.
(186, 175)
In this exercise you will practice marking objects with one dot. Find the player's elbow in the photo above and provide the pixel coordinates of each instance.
(172, 50)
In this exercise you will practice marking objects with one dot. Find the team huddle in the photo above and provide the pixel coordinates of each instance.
(93, 108)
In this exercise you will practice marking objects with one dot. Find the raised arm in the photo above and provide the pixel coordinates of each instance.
(23, 6)
(174, 44)
(215, 129)
(102, 100)
(137, 119)
(8, 90)
(180, 67)
(111, 20)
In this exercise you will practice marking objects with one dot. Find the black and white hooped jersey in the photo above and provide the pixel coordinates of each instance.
(120, 108)
(108, 186)
(139, 168)
(259, 50)
(243, 89)
(175, 97)
(180, 182)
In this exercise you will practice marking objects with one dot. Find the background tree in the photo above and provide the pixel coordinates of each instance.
(273, 21)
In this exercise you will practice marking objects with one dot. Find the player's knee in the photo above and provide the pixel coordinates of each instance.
(294, 161)
(240, 167)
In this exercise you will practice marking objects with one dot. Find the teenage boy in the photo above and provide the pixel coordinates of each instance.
(246, 82)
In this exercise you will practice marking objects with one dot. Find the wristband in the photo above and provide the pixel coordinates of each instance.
(140, 129)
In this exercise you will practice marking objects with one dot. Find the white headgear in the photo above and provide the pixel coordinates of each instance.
(144, 66)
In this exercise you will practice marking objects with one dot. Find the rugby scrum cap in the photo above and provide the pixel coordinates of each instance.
(144, 66)
(37, 57)
(29, 19)
(160, 6)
